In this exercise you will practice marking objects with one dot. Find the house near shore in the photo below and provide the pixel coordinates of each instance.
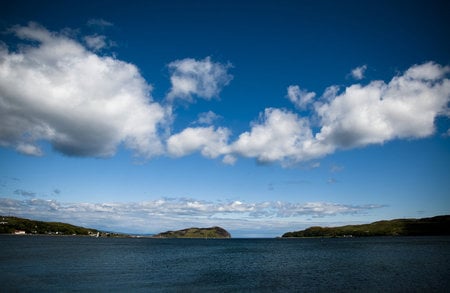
(19, 232)
(94, 234)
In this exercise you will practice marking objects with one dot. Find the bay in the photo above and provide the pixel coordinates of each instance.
(87, 264)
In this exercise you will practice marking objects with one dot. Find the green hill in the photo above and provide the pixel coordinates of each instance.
(439, 225)
(10, 225)
(213, 232)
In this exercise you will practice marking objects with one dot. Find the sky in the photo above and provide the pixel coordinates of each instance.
(260, 117)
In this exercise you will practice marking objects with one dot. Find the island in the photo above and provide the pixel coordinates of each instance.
(439, 225)
(212, 232)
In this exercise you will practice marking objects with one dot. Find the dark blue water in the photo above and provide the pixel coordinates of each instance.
(385, 264)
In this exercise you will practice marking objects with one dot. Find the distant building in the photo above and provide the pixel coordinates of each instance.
(93, 234)
(19, 232)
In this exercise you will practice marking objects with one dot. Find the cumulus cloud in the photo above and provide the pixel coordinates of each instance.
(404, 108)
(211, 142)
(56, 90)
(277, 135)
(300, 98)
(358, 72)
(202, 78)
(53, 89)
(169, 213)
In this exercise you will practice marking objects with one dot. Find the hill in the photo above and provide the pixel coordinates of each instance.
(15, 225)
(439, 225)
(213, 232)
(10, 225)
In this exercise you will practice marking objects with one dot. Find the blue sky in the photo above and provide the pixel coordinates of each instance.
(261, 117)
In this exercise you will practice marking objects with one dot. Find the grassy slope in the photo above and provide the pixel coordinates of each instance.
(439, 225)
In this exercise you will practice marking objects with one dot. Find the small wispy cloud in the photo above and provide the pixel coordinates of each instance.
(446, 134)
(332, 181)
(29, 149)
(207, 118)
(314, 165)
(299, 97)
(99, 22)
(297, 182)
(336, 168)
(24, 193)
(358, 72)
(98, 42)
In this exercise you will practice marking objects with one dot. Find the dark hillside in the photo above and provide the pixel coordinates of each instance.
(439, 225)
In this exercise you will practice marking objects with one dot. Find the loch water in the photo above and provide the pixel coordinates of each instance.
(87, 264)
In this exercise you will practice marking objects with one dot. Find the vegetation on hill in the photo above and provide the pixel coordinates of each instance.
(213, 232)
(10, 225)
(439, 225)
(15, 225)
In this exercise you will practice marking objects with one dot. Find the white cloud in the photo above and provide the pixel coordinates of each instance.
(202, 78)
(229, 159)
(336, 168)
(300, 98)
(54, 89)
(29, 149)
(278, 135)
(314, 165)
(358, 72)
(330, 93)
(207, 118)
(175, 213)
(332, 181)
(406, 107)
(83, 104)
(429, 71)
(96, 42)
(209, 141)
(99, 22)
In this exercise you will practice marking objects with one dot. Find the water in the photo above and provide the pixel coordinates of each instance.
(384, 264)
